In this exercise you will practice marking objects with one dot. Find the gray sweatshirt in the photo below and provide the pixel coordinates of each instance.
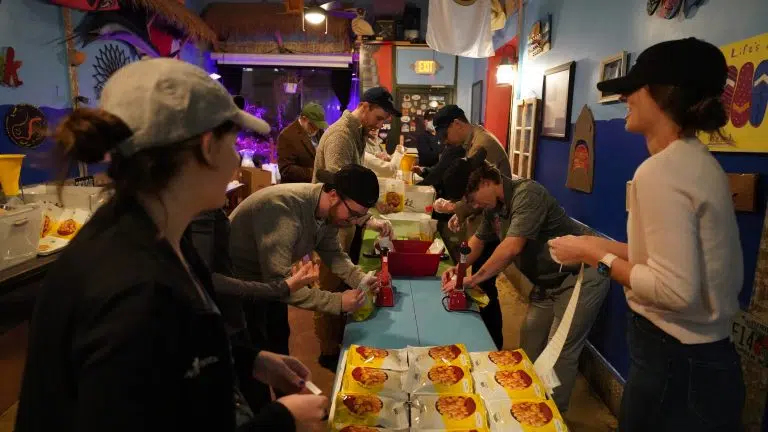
(341, 145)
(274, 228)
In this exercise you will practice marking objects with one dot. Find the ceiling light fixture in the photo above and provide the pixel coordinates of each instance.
(214, 75)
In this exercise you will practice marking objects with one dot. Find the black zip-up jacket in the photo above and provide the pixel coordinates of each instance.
(122, 340)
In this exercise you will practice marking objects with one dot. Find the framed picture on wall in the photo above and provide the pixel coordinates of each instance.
(612, 67)
(477, 102)
(557, 96)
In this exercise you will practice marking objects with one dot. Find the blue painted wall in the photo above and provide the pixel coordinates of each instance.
(588, 31)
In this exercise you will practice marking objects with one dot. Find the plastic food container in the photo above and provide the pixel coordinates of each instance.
(410, 259)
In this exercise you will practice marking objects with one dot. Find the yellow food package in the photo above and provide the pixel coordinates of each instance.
(508, 384)
(491, 361)
(478, 296)
(361, 428)
(366, 310)
(439, 379)
(69, 223)
(525, 415)
(448, 412)
(426, 357)
(391, 359)
(391, 194)
(363, 379)
(370, 410)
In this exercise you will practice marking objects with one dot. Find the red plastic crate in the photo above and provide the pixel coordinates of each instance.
(410, 259)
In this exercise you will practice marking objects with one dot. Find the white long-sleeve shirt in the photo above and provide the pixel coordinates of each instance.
(684, 244)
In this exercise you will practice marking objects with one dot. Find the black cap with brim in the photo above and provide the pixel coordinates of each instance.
(354, 182)
(383, 98)
(696, 67)
(457, 175)
(623, 86)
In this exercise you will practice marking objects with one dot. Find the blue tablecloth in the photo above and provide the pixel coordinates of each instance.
(419, 319)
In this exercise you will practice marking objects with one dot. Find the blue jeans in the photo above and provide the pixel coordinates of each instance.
(678, 387)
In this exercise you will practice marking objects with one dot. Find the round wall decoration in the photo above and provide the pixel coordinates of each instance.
(26, 125)
(109, 59)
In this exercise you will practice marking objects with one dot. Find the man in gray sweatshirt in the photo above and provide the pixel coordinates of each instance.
(279, 225)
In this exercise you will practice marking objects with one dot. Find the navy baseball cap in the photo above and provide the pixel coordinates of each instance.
(695, 66)
(444, 117)
(383, 98)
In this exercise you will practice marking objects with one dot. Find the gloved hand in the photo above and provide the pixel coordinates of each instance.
(369, 283)
(382, 226)
(442, 205)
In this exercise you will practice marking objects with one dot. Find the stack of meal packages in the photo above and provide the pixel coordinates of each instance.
(441, 388)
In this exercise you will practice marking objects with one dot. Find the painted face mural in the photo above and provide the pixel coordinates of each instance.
(146, 32)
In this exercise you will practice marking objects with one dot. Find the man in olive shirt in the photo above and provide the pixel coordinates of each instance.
(519, 218)
(453, 129)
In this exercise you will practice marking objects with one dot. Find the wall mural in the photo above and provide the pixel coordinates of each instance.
(146, 33)
(110, 58)
(745, 98)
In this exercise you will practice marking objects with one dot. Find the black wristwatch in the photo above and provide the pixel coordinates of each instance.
(604, 265)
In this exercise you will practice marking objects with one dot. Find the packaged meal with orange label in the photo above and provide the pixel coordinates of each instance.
(491, 361)
(69, 223)
(363, 379)
(438, 379)
(448, 412)
(370, 410)
(361, 428)
(426, 357)
(508, 384)
(525, 415)
(391, 359)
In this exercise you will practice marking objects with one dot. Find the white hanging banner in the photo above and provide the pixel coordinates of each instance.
(461, 28)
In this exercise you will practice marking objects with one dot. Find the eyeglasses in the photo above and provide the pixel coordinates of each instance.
(353, 215)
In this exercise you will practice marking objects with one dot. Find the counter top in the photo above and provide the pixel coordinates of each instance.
(25, 270)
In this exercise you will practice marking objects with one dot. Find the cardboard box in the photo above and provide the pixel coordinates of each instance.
(418, 198)
(255, 178)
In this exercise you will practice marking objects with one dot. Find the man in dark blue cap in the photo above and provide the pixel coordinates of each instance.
(341, 145)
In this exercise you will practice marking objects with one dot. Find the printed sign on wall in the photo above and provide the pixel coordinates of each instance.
(745, 98)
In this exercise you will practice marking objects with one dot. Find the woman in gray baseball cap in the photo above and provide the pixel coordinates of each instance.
(127, 334)
(682, 268)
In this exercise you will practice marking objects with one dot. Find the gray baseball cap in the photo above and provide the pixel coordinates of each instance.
(165, 101)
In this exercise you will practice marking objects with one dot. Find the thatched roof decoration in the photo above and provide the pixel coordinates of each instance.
(239, 21)
(178, 14)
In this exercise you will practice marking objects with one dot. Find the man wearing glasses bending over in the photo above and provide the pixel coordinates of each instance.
(279, 225)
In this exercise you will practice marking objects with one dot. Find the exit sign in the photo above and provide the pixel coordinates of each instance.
(426, 67)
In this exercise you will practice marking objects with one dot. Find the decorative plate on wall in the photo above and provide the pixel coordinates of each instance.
(26, 125)
(109, 59)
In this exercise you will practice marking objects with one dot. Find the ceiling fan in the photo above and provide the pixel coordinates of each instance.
(315, 13)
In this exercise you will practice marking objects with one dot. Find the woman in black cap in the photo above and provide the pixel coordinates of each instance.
(682, 269)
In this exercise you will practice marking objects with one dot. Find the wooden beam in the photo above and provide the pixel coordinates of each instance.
(74, 86)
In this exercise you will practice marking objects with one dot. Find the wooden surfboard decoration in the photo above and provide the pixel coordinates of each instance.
(581, 163)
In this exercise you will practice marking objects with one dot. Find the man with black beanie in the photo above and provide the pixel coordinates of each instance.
(280, 225)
